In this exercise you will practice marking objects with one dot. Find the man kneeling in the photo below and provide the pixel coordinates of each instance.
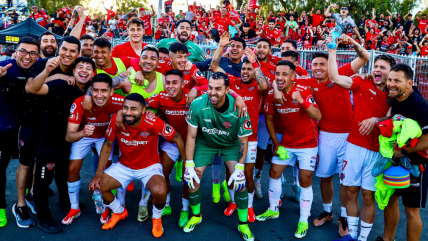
(137, 161)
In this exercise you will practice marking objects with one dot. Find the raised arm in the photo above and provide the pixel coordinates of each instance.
(37, 85)
(363, 54)
(260, 77)
(333, 72)
(215, 62)
(77, 30)
(373, 14)
(327, 12)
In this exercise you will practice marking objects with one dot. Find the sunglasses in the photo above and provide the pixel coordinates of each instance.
(344, 8)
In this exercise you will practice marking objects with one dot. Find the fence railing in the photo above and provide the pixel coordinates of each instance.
(417, 63)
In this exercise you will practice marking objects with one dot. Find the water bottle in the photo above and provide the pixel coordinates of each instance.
(337, 31)
(98, 200)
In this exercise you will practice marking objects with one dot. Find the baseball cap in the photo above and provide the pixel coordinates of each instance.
(409, 47)
(141, 9)
(363, 16)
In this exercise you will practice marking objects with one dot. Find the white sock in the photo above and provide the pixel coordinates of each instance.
(250, 199)
(282, 177)
(232, 195)
(157, 213)
(185, 203)
(257, 180)
(343, 212)
(145, 198)
(353, 226)
(296, 175)
(121, 192)
(258, 173)
(306, 198)
(168, 199)
(327, 207)
(115, 206)
(365, 231)
(73, 193)
(274, 193)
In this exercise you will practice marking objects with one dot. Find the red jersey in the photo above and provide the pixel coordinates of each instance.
(147, 24)
(191, 78)
(317, 19)
(300, 130)
(175, 112)
(87, 19)
(125, 50)
(424, 50)
(41, 18)
(333, 101)
(273, 36)
(268, 70)
(253, 100)
(110, 13)
(307, 43)
(100, 117)
(422, 25)
(369, 102)
(216, 13)
(222, 24)
(139, 145)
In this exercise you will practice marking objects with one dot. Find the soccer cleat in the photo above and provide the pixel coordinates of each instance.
(346, 238)
(74, 213)
(296, 190)
(22, 216)
(226, 195)
(323, 218)
(114, 191)
(246, 232)
(343, 226)
(157, 229)
(269, 214)
(258, 191)
(30, 203)
(283, 188)
(184, 218)
(115, 217)
(105, 216)
(49, 226)
(179, 170)
(190, 226)
(251, 216)
(230, 209)
(302, 230)
(3, 218)
(216, 192)
(130, 187)
(143, 214)
(166, 211)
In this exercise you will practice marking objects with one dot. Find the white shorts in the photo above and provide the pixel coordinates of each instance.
(306, 157)
(357, 167)
(80, 149)
(252, 152)
(126, 175)
(331, 152)
(171, 150)
(262, 133)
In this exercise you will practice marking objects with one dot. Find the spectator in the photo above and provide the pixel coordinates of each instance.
(190, 15)
(408, 24)
(38, 16)
(422, 22)
(168, 5)
(291, 13)
(317, 18)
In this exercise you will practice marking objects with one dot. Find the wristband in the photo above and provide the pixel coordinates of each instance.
(190, 163)
(306, 105)
(255, 65)
(239, 166)
(235, 95)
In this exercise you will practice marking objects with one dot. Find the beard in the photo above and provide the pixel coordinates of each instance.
(48, 53)
(135, 120)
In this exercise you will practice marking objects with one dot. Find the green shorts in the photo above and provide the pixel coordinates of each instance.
(204, 154)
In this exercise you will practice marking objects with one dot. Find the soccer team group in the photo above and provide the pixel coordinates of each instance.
(129, 98)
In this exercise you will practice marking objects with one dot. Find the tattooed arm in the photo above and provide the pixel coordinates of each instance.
(260, 77)
(122, 82)
(363, 57)
(243, 148)
(87, 101)
(215, 62)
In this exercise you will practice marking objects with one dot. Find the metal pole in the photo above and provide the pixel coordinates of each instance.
(159, 10)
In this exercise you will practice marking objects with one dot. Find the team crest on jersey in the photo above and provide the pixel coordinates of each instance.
(71, 116)
(227, 124)
(247, 125)
(295, 102)
(73, 107)
(330, 85)
(311, 100)
(21, 143)
(251, 88)
(167, 130)
(50, 166)
(199, 73)
(145, 134)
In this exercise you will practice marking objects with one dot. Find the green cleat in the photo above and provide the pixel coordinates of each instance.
(114, 191)
(216, 193)
(302, 230)
(190, 226)
(226, 195)
(166, 211)
(246, 232)
(269, 214)
(184, 218)
(179, 170)
(143, 214)
(3, 219)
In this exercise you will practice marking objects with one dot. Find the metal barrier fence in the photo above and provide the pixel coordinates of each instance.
(418, 64)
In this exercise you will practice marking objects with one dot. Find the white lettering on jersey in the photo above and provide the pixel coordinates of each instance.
(172, 112)
(207, 120)
(92, 118)
(247, 98)
(133, 142)
(125, 134)
(215, 131)
(288, 110)
(99, 124)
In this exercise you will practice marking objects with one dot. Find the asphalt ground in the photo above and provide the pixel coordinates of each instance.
(215, 225)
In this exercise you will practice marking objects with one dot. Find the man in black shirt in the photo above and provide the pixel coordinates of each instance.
(409, 103)
(248, 34)
(52, 148)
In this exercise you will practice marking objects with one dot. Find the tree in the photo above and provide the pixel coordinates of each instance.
(53, 6)
(128, 5)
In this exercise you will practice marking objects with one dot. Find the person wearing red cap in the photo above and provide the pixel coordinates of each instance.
(148, 31)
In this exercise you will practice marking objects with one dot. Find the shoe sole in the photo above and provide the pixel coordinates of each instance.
(230, 213)
(159, 235)
(32, 208)
(267, 219)
(254, 238)
(326, 221)
(14, 214)
(189, 231)
(122, 218)
(47, 230)
(72, 219)
(251, 221)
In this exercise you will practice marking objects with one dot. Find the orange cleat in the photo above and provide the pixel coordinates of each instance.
(115, 217)
(230, 209)
(130, 187)
(251, 216)
(74, 213)
(157, 230)
(105, 216)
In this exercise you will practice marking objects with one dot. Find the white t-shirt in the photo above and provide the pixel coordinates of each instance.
(112, 23)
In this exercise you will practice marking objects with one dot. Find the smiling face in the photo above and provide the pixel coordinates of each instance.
(87, 49)
(398, 84)
(132, 112)
(262, 50)
(68, 53)
(102, 56)
(25, 62)
(319, 68)
(101, 93)
(284, 77)
(183, 32)
(236, 51)
(149, 61)
(381, 71)
(83, 73)
(174, 85)
(178, 60)
(247, 73)
(48, 45)
(136, 33)
(217, 92)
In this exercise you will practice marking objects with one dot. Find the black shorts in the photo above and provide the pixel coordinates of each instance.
(415, 196)
(27, 146)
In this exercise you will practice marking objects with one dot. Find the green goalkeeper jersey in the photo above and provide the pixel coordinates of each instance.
(196, 53)
(217, 130)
